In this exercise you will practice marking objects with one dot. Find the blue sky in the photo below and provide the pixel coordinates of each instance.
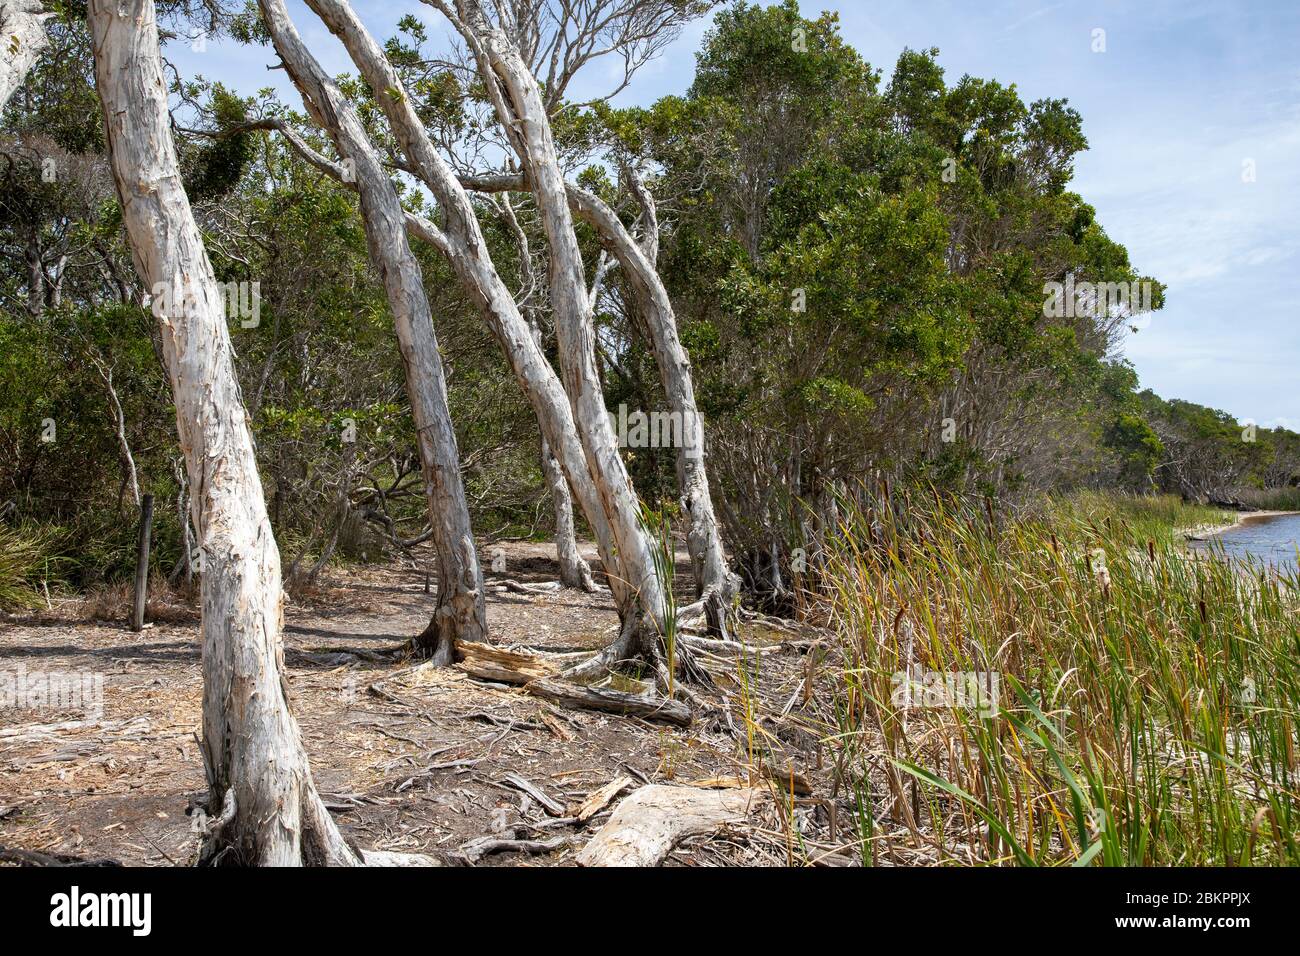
(1186, 92)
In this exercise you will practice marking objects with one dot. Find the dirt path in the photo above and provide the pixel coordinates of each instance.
(424, 773)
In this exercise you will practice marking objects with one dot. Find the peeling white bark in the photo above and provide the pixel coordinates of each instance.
(716, 585)
(22, 38)
(574, 572)
(251, 743)
(460, 614)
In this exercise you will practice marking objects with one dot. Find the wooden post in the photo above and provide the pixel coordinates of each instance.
(142, 563)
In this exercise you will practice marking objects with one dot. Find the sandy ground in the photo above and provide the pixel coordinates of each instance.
(421, 769)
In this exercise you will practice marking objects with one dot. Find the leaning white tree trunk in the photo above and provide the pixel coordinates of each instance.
(470, 260)
(716, 585)
(459, 615)
(587, 451)
(22, 38)
(262, 803)
(522, 113)
(574, 571)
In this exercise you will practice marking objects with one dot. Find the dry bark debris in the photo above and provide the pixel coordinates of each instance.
(601, 798)
(552, 806)
(648, 824)
(367, 745)
(538, 677)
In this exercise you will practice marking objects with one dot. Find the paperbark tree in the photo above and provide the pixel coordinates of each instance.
(716, 585)
(522, 113)
(505, 49)
(574, 572)
(22, 38)
(577, 428)
(460, 610)
(263, 807)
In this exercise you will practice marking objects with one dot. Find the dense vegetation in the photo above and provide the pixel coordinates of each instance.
(858, 265)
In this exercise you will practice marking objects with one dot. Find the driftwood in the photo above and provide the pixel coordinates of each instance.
(537, 676)
(601, 798)
(648, 824)
(44, 733)
(515, 587)
(388, 858)
(553, 807)
(506, 667)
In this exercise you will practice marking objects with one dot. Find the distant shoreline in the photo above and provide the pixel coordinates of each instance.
(1202, 532)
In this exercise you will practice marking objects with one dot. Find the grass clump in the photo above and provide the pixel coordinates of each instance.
(28, 558)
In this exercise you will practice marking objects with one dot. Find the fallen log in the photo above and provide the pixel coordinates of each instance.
(486, 662)
(387, 858)
(647, 825)
(609, 701)
(538, 677)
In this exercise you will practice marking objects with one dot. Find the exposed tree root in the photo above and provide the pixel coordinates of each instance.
(713, 611)
(549, 587)
(475, 850)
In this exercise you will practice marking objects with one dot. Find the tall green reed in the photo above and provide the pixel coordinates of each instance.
(1148, 697)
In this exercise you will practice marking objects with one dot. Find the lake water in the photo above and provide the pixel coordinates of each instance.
(1271, 540)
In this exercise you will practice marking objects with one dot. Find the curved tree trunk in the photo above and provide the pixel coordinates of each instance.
(579, 434)
(574, 572)
(460, 612)
(524, 114)
(22, 38)
(716, 585)
(265, 807)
